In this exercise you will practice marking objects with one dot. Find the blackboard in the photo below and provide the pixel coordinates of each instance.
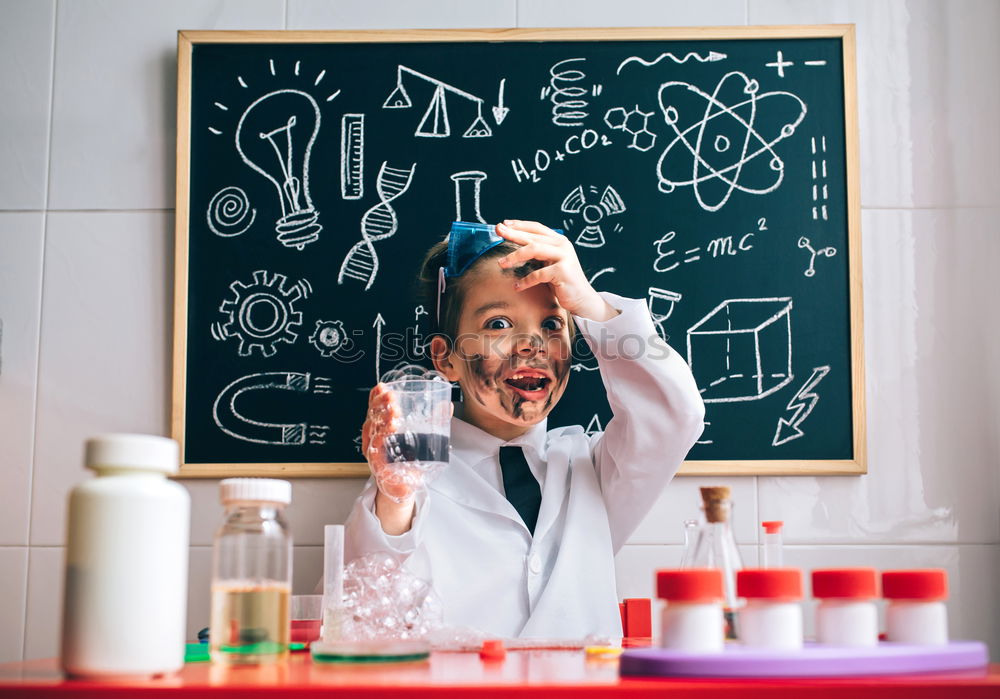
(712, 172)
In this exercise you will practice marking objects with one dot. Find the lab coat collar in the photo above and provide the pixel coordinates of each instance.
(472, 445)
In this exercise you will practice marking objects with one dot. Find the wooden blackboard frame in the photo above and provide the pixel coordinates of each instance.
(845, 33)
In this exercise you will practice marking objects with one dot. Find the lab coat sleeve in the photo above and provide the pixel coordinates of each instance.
(363, 532)
(658, 413)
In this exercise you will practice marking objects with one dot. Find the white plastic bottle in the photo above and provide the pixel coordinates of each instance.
(125, 603)
(691, 617)
(772, 616)
(846, 614)
(916, 612)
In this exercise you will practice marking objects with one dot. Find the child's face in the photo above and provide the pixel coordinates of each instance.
(513, 351)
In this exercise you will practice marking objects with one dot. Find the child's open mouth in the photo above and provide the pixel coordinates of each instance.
(530, 384)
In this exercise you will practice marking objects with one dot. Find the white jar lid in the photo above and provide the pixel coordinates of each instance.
(143, 452)
(255, 490)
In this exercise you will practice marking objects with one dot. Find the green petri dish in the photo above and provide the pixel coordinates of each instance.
(370, 651)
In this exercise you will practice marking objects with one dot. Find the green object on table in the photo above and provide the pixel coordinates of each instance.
(196, 652)
(370, 652)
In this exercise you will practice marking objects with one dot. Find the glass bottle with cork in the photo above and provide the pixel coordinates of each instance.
(715, 547)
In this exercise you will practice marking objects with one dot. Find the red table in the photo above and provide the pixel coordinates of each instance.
(543, 674)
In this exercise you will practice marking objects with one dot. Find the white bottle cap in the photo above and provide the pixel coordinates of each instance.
(255, 490)
(143, 452)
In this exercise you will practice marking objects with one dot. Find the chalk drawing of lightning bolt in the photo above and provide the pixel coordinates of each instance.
(802, 403)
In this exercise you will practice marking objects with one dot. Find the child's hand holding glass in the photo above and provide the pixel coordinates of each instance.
(382, 421)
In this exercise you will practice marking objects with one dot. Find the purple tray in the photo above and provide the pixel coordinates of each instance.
(813, 660)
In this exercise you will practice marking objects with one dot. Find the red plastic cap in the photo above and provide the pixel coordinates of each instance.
(927, 585)
(690, 585)
(770, 583)
(772, 527)
(845, 583)
(492, 649)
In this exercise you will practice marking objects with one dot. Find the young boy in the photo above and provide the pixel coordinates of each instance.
(518, 534)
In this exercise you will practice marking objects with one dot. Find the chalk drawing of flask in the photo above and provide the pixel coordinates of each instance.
(468, 186)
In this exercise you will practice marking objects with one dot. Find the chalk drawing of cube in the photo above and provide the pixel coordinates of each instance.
(742, 350)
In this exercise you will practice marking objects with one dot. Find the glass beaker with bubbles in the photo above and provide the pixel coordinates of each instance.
(419, 446)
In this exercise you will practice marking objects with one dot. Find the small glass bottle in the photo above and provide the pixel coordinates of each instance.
(252, 573)
(715, 547)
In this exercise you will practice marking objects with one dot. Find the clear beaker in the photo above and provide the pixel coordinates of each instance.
(418, 448)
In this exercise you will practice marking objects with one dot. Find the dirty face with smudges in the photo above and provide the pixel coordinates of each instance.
(512, 354)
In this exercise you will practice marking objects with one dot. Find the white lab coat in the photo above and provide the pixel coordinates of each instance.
(491, 574)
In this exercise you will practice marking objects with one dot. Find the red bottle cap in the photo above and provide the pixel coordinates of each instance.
(779, 584)
(689, 585)
(772, 527)
(926, 585)
(845, 583)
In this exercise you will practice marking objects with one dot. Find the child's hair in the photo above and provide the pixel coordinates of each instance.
(454, 296)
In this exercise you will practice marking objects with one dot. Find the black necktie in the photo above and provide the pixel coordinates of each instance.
(520, 485)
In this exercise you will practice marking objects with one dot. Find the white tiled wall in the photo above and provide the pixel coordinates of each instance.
(87, 132)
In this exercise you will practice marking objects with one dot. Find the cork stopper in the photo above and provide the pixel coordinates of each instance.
(716, 500)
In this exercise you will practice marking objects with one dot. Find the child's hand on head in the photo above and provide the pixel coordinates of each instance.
(395, 481)
(562, 270)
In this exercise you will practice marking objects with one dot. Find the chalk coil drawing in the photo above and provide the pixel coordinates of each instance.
(352, 156)
(227, 212)
(378, 223)
(634, 122)
(568, 98)
(608, 204)
(710, 57)
(434, 123)
(801, 405)
(262, 313)
(275, 137)
(228, 418)
(742, 350)
(699, 157)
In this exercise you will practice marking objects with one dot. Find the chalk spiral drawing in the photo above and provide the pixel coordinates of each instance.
(262, 313)
(434, 123)
(801, 405)
(703, 153)
(228, 418)
(710, 57)
(742, 349)
(228, 212)
(568, 99)
(634, 122)
(378, 223)
(593, 210)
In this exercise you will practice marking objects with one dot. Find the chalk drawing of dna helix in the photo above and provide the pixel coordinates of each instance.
(378, 223)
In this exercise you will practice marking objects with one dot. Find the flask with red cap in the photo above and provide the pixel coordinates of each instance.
(916, 612)
(772, 616)
(846, 614)
(691, 618)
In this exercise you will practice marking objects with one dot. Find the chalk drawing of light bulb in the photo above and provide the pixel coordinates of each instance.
(275, 137)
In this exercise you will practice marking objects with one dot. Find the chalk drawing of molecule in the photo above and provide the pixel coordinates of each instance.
(635, 122)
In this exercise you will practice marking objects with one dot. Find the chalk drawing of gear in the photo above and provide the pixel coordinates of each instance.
(329, 337)
(228, 418)
(262, 313)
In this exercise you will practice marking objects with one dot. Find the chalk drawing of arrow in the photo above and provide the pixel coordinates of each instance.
(379, 322)
(712, 57)
(802, 403)
(500, 111)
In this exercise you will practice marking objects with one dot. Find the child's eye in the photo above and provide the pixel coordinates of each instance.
(498, 324)
(554, 323)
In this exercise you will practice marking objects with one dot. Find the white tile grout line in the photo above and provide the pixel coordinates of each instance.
(286, 15)
(38, 351)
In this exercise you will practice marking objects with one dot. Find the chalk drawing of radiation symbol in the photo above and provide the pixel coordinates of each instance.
(725, 141)
(262, 313)
(593, 209)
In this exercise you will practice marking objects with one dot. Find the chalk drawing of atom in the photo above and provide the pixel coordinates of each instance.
(725, 141)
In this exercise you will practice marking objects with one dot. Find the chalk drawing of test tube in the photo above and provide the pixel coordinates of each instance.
(229, 419)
